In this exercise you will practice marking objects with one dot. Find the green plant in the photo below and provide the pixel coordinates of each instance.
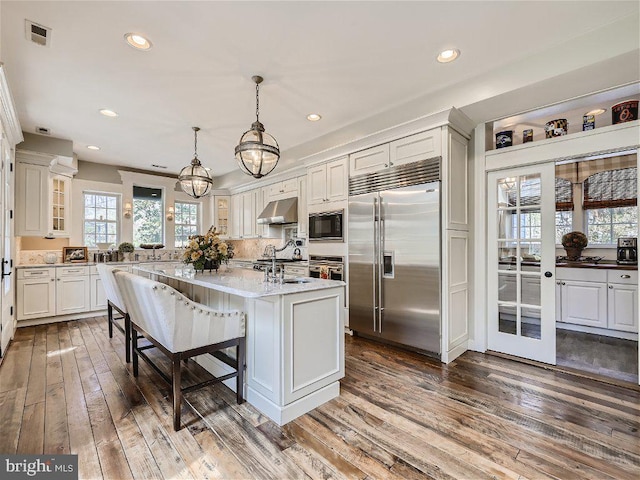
(574, 240)
(125, 247)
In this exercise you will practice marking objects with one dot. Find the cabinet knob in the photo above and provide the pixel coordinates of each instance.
(386, 164)
(558, 283)
(611, 287)
(563, 283)
(52, 279)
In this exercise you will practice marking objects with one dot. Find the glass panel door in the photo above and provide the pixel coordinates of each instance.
(521, 242)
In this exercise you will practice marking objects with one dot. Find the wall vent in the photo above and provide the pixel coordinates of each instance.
(38, 34)
(158, 166)
(43, 131)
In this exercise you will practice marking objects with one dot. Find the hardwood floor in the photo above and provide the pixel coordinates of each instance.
(65, 388)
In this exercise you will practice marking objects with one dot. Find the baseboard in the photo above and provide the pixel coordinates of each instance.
(597, 331)
(60, 318)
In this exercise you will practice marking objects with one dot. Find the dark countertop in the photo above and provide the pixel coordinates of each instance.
(603, 264)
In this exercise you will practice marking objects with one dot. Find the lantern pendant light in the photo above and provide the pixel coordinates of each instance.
(258, 152)
(194, 179)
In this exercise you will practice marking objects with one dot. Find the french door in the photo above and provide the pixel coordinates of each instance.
(6, 247)
(521, 262)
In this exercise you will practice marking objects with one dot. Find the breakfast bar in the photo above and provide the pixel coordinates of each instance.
(294, 334)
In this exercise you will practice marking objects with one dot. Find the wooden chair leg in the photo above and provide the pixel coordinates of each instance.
(110, 318)
(240, 354)
(177, 392)
(127, 338)
(134, 349)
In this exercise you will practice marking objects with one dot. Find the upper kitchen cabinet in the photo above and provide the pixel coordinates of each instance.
(244, 215)
(328, 182)
(43, 194)
(280, 190)
(221, 211)
(303, 211)
(405, 150)
(31, 200)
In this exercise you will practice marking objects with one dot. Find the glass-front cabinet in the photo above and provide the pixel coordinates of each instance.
(60, 207)
(221, 214)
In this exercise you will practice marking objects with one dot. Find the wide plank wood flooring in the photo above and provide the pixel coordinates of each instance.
(65, 388)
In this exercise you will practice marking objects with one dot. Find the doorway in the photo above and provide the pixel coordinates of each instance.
(597, 297)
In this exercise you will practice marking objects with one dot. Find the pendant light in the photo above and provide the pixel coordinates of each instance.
(258, 152)
(195, 179)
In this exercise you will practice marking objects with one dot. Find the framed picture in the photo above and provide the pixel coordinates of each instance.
(74, 254)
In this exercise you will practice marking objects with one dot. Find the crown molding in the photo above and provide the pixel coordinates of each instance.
(8, 113)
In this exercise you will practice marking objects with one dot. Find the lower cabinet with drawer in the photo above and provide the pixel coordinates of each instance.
(36, 293)
(59, 291)
(600, 298)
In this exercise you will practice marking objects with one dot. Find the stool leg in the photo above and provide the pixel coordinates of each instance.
(177, 392)
(134, 349)
(127, 337)
(240, 354)
(110, 318)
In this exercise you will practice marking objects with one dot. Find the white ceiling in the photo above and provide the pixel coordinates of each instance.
(348, 61)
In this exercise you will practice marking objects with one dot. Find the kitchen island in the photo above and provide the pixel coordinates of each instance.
(294, 334)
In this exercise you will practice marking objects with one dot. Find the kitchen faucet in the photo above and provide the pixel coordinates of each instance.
(270, 252)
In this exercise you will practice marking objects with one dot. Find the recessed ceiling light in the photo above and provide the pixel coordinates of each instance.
(313, 117)
(597, 111)
(138, 41)
(447, 56)
(93, 147)
(108, 113)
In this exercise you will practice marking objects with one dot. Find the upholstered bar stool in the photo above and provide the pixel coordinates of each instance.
(181, 329)
(115, 302)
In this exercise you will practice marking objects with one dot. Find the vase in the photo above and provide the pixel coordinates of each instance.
(211, 265)
(573, 253)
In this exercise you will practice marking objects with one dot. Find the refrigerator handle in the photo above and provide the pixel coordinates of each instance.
(375, 264)
(379, 263)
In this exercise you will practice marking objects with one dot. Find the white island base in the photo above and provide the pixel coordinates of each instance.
(294, 336)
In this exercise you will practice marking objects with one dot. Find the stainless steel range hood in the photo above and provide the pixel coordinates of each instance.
(280, 212)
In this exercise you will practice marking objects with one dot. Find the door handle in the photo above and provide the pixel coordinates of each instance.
(548, 274)
(3, 273)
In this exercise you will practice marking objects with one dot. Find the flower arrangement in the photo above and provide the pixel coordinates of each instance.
(207, 251)
(574, 240)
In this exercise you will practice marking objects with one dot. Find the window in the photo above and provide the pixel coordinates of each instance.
(100, 219)
(186, 219)
(564, 224)
(564, 208)
(148, 218)
(606, 225)
(610, 202)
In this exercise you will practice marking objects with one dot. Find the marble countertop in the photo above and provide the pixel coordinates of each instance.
(241, 282)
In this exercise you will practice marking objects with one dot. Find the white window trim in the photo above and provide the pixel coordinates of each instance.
(198, 222)
(118, 212)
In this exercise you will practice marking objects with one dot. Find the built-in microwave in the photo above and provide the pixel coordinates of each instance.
(326, 226)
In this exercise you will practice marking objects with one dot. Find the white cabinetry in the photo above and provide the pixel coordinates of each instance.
(622, 295)
(73, 290)
(63, 290)
(606, 299)
(31, 199)
(420, 146)
(328, 182)
(584, 303)
(221, 206)
(243, 211)
(36, 293)
(303, 211)
(43, 202)
(60, 206)
(284, 189)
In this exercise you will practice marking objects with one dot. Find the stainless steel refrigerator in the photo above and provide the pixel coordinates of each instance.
(394, 264)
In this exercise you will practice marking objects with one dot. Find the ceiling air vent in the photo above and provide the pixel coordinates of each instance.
(158, 166)
(43, 131)
(38, 33)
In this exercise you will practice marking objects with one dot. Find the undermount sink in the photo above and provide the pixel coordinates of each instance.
(296, 280)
